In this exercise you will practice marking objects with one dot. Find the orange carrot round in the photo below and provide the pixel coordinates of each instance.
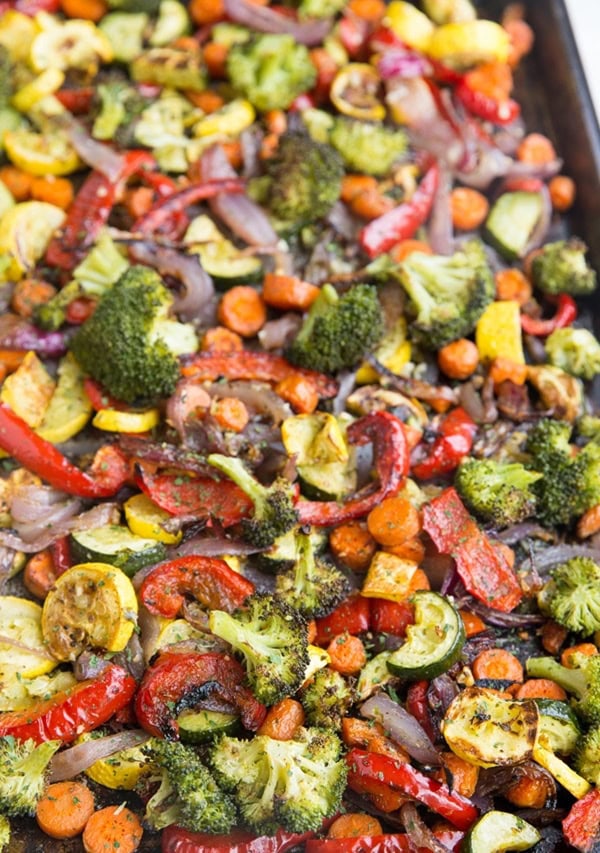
(40, 574)
(29, 293)
(215, 57)
(497, 664)
(566, 657)
(404, 248)
(243, 310)
(206, 11)
(352, 544)
(283, 720)
(531, 790)
(288, 292)
(230, 413)
(472, 622)
(207, 100)
(220, 339)
(540, 688)
(459, 359)
(394, 521)
(112, 828)
(299, 392)
(354, 825)
(536, 149)
(412, 549)
(17, 181)
(562, 192)
(89, 10)
(469, 208)
(53, 190)
(512, 285)
(347, 654)
(65, 809)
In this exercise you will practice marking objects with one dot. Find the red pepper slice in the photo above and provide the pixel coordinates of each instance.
(482, 568)
(566, 313)
(180, 494)
(80, 709)
(352, 616)
(163, 214)
(178, 840)
(61, 555)
(77, 101)
(166, 684)
(482, 105)
(401, 222)
(416, 704)
(455, 441)
(391, 617)
(364, 844)
(372, 767)
(42, 458)
(208, 579)
(391, 458)
(581, 827)
(353, 33)
(101, 399)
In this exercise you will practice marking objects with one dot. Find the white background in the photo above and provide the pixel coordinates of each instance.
(585, 20)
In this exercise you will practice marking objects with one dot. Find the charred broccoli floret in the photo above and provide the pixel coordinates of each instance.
(571, 596)
(294, 784)
(326, 699)
(23, 771)
(188, 794)
(272, 637)
(305, 179)
(338, 330)
(497, 491)
(120, 104)
(587, 756)
(270, 70)
(320, 8)
(52, 314)
(274, 512)
(313, 585)
(577, 351)
(369, 148)
(448, 294)
(130, 344)
(582, 680)
(561, 267)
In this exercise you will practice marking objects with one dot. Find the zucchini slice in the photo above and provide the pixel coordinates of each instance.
(118, 546)
(488, 730)
(203, 726)
(374, 675)
(497, 831)
(558, 726)
(434, 643)
(511, 222)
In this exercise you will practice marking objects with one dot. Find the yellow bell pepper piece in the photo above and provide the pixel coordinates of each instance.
(70, 408)
(230, 120)
(469, 43)
(389, 577)
(498, 332)
(44, 84)
(28, 390)
(409, 24)
(112, 420)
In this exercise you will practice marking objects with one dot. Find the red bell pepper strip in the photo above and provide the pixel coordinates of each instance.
(61, 555)
(261, 366)
(566, 313)
(166, 684)
(42, 458)
(416, 704)
(210, 580)
(101, 399)
(364, 844)
(79, 709)
(351, 616)
(77, 101)
(401, 222)
(391, 617)
(482, 568)
(178, 840)
(353, 33)
(482, 105)
(391, 459)
(169, 207)
(581, 827)
(180, 494)
(371, 766)
(455, 441)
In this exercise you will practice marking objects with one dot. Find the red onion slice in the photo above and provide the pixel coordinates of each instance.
(255, 395)
(402, 62)
(74, 760)
(276, 334)
(99, 516)
(266, 20)
(420, 836)
(402, 727)
(30, 531)
(440, 228)
(96, 154)
(18, 334)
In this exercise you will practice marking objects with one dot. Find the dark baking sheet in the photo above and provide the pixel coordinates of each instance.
(551, 87)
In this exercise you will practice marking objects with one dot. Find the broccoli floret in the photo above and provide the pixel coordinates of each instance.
(273, 639)
(587, 756)
(369, 148)
(188, 794)
(583, 681)
(327, 698)
(561, 267)
(270, 70)
(497, 491)
(101, 267)
(294, 784)
(23, 771)
(120, 104)
(274, 512)
(313, 585)
(448, 294)
(129, 344)
(338, 330)
(305, 179)
(320, 8)
(575, 350)
(52, 314)
(570, 596)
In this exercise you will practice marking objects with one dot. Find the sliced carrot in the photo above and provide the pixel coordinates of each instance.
(404, 248)
(589, 523)
(112, 828)
(29, 293)
(187, 43)
(368, 10)
(512, 285)
(242, 310)
(464, 774)
(562, 192)
(40, 574)
(498, 664)
(469, 208)
(536, 149)
(418, 581)
(233, 152)
(459, 359)
(352, 544)
(412, 549)
(371, 204)
(65, 809)
(17, 181)
(206, 11)
(566, 657)
(507, 552)
(493, 79)
(268, 145)
(230, 413)
(372, 737)
(540, 688)
(288, 292)
(354, 185)
(312, 631)
(299, 392)
(347, 654)
(283, 720)
(89, 10)
(472, 622)
(531, 790)
(11, 359)
(504, 369)
(215, 57)
(207, 100)
(521, 39)
(138, 201)
(354, 825)
(553, 637)
(393, 521)
(220, 339)
(53, 190)
(276, 121)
